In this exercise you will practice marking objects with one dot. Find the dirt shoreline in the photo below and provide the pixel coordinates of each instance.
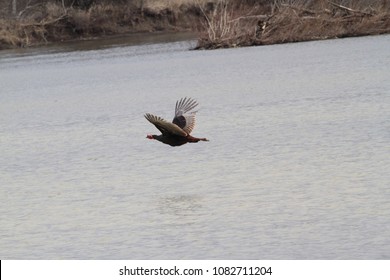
(236, 25)
(218, 23)
(53, 23)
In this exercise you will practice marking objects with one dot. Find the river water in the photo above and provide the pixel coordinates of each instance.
(297, 166)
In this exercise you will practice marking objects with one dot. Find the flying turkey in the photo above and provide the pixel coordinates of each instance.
(177, 132)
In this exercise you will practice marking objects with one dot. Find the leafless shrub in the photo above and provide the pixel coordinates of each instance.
(231, 24)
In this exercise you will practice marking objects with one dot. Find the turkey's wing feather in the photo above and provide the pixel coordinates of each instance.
(184, 118)
(164, 126)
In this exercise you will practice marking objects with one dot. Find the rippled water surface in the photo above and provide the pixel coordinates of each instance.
(297, 166)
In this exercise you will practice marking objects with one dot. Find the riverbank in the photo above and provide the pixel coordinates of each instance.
(233, 24)
(50, 21)
(219, 23)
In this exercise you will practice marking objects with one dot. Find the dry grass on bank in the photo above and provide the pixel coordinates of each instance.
(51, 21)
(232, 24)
(220, 23)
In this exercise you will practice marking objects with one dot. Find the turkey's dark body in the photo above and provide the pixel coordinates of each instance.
(177, 132)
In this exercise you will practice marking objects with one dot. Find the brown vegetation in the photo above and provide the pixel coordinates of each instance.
(220, 23)
(246, 23)
(41, 21)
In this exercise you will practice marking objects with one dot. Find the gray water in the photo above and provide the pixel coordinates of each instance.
(297, 166)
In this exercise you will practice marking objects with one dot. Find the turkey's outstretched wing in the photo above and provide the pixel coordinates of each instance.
(164, 126)
(184, 118)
